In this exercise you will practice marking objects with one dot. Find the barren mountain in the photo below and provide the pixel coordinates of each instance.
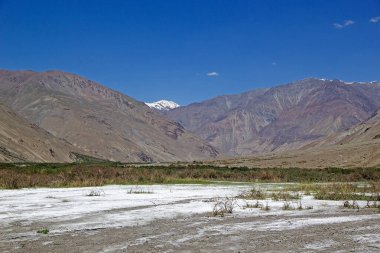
(356, 147)
(23, 141)
(281, 118)
(99, 121)
(367, 131)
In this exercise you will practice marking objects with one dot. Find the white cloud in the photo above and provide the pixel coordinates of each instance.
(344, 24)
(212, 73)
(374, 19)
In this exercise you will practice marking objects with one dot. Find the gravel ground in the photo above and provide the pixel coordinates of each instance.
(177, 219)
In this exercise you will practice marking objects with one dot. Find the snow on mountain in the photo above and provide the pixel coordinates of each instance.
(163, 105)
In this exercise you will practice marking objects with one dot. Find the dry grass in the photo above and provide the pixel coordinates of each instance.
(341, 191)
(266, 207)
(254, 193)
(258, 194)
(13, 176)
(95, 193)
(138, 190)
(224, 206)
(352, 205)
(256, 205)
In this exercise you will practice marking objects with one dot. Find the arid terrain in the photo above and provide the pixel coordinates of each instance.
(95, 120)
(310, 123)
(282, 118)
(189, 126)
(248, 194)
(179, 218)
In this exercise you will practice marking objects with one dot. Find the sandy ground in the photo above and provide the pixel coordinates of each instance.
(175, 218)
(363, 154)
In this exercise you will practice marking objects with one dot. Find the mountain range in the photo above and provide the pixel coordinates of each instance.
(356, 147)
(55, 116)
(95, 120)
(281, 118)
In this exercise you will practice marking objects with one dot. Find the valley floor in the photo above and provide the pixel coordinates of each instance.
(178, 218)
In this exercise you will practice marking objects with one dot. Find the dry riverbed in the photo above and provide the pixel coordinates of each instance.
(178, 218)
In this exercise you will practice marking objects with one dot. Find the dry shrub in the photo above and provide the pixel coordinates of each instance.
(224, 206)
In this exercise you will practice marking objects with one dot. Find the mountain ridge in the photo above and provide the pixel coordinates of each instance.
(283, 117)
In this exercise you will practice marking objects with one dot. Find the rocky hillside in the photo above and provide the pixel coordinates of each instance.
(96, 120)
(281, 118)
(356, 147)
(23, 141)
(367, 131)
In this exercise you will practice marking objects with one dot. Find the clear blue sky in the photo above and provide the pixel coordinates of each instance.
(162, 49)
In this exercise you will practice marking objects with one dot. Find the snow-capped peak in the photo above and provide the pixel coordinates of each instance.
(163, 105)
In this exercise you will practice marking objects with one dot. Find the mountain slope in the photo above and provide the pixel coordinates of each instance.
(23, 141)
(101, 122)
(356, 147)
(367, 131)
(281, 118)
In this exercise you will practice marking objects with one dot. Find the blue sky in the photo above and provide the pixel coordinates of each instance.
(191, 50)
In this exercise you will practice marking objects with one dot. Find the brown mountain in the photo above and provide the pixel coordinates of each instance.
(356, 147)
(366, 131)
(23, 141)
(96, 120)
(281, 118)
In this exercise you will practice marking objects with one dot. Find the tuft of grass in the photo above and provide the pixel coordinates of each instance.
(277, 196)
(266, 207)
(300, 206)
(139, 191)
(95, 193)
(258, 194)
(44, 231)
(253, 194)
(374, 204)
(223, 206)
(352, 205)
(287, 206)
(256, 205)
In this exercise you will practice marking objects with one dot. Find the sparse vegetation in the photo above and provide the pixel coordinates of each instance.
(43, 231)
(300, 206)
(95, 193)
(284, 195)
(257, 193)
(266, 207)
(256, 205)
(352, 205)
(288, 206)
(223, 206)
(341, 191)
(253, 194)
(374, 204)
(138, 190)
